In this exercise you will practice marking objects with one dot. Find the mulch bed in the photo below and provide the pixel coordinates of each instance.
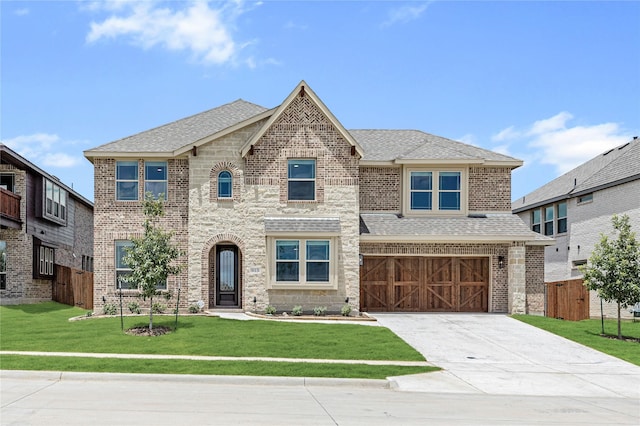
(144, 331)
(625, 338)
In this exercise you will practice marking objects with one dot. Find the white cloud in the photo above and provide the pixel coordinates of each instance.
(21, 12)
(553, 141)
(44, 149)
(198, 28)
(469, 138)
(404, 14)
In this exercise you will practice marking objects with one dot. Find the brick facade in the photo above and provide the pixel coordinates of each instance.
(380, 189)
(490, 189)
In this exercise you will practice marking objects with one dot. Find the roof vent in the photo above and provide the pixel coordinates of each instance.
(623, 146)
(607, 152)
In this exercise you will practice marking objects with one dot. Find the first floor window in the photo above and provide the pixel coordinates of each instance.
(303, 261)
(561, 214)
(3, 265)
(126, 180)
(155, 178)
(122, 270)
(43, 262)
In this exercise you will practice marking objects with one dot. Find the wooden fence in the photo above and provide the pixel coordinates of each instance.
(73, 287)
(567, 300)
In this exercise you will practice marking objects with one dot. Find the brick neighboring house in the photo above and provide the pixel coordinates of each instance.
(286, 207)
(577, 207)
(43, 223)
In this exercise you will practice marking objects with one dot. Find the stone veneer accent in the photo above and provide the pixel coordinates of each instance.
(517, 279)
(490, 189)
(380, 189)
(534, 261)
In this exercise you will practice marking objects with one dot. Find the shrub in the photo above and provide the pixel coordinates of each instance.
(194, 309)
(296, 311)
(346, 310)
(134, 307)
(110, 309)
(270, 310)
(319, 311)
(158, 308)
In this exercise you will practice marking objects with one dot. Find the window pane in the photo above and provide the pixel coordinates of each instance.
(548, 213)
(302, 190)
(421, 181)
(224, 184)
(562, 209)
(127, 191)
(287, 271)
(120, 283)
(287, 250)
(226, 265)
(421, 201)
(155, 170)
(317, 250)
(127, 170)
(156, 188)
(449, 181)
(548, 228)
(120, 253)
(562, 226)
(449, 201)
(535, 216)
(302, 169)
(536, 228)
(317, 271)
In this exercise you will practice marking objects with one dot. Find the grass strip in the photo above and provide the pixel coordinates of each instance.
(588, 332)
(227, 368)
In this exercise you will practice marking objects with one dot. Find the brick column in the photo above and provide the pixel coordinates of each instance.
(517, 280)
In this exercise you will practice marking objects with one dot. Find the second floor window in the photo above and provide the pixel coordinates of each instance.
(435, 191)
(127, 180)
(55, 202)
(548, 220)
(155, 178)
(225, 184)
(561, 217)
(535, 220)
(301, 180)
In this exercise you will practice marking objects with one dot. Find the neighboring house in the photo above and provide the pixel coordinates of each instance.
(43, 223)
(286, 207)
(576, 208)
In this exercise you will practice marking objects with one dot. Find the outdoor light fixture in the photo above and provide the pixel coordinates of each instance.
(501, 262)
(346, 300)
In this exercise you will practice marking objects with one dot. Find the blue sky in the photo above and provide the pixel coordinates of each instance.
(551, 83)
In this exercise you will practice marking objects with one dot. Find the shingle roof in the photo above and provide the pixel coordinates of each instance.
(607, 169)
(275, 225)
(388, 145)
(506, 227)
(184, 132)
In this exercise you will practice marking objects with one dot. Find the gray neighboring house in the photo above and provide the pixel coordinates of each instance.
(43, 223)
(577, 207)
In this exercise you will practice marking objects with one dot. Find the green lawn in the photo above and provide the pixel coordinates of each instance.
(587, 332)
(45, 327)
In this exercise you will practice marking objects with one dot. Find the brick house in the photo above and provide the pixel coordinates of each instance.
(43, 224)
(577, 207)
(286, 207)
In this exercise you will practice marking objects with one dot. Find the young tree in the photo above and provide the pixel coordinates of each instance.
(152, 256)
(614, 267)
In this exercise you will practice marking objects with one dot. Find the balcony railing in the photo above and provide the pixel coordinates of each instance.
(9, 205)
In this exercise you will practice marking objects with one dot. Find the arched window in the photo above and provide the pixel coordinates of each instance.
(225, 184)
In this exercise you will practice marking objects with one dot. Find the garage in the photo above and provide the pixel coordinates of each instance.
(424, 284)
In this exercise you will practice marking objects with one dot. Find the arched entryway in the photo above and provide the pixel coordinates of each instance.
(225, 277)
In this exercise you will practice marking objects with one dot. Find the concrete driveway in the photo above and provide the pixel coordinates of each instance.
(496, 354)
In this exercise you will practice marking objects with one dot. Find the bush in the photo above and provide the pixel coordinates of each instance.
(110, 309)
(319, 311)
(134, 307)
(346, 310)
(158, 308)
(270, 310)
(194, 309)
(296, 311)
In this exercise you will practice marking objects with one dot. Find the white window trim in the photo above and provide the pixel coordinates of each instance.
(435, 211)
(166, 181)
(302, 284)
(62, 201)
(558, 218)
(136, 180)
(314, 180)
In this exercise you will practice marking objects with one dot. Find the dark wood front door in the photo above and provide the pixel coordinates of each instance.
(424, 284)
(227, 280)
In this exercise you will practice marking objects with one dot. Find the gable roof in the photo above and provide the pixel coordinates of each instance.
(613, 167)
(406, 146)
(302, 89)
(168, 139)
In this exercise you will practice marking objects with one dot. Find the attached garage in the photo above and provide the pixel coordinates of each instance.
(424, 284)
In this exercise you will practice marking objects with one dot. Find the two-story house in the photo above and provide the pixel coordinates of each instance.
(43, 223)
(286, 207)
(576, 208)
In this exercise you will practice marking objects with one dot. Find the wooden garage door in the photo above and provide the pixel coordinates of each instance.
(424, 284)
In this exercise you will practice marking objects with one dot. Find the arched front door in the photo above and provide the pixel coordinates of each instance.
(227, 279)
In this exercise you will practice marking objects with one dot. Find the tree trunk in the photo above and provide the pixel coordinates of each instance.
(151, 315)
(619, 321)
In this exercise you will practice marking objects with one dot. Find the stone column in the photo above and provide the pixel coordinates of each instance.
(517, 280)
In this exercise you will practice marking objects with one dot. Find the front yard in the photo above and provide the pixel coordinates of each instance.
(46, 327)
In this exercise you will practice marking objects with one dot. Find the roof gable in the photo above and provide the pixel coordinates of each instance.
(302, 90)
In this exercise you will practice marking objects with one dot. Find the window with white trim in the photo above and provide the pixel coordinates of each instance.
(561, 217)
(155, 178)
(123, 270)
(535, 220)
(301, 184)
(55, 202)
(435, 191)
(548, 220)
(302, 263)
(225, 184)
(127, 180)
(43, 262)
(586, 198)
